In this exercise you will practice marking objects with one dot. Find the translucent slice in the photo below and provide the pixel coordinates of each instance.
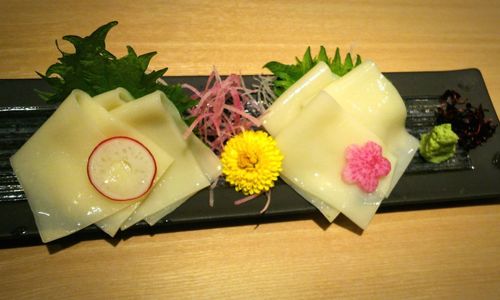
(375, 103)
(286, 108)
(111, 100)
(114, 98)
(314, 148)
(207, 160)
(107, 123)
(156, 117)
(51, 167)
(121, 168)
(154, 218)
(111, 224)
(329, 211)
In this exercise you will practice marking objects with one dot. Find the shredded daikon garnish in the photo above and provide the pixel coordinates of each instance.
(222, 110)
(264, 90)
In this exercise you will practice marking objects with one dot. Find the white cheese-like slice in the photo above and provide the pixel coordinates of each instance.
(374, 102)
(52, 168)
(208, 161)
(206, 158)
(110, 100)
(287, 107)
(108, 124)
(114, 98)
(154, 218)
(111, 224)
(157, 118)
(329, 211)
(314, 148)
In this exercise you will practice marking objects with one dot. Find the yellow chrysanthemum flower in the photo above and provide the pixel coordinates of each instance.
(251, 162)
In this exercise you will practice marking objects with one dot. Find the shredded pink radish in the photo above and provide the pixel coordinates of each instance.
(251, 197)
(220, 112)
(268, 202)
(246, 199)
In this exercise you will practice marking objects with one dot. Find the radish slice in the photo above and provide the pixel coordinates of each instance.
(121, 168)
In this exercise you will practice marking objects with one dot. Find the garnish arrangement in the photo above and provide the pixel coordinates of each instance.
(221, 110)
(129, 147)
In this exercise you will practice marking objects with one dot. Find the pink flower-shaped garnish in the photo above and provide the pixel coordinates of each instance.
(365, 165)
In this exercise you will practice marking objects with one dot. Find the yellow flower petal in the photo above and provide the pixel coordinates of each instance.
(251, 162)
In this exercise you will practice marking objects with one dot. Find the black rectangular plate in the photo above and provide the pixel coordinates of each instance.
(477, 178)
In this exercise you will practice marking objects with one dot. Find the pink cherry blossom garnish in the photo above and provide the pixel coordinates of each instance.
(365, 165)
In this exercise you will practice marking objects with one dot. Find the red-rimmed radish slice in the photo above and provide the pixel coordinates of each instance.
(121, 168)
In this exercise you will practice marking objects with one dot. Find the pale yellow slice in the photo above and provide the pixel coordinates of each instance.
(51, 167)
(375, 103)
(314, 148)
(156, 117)
(139, 117)
(112, 99)
(288, 106)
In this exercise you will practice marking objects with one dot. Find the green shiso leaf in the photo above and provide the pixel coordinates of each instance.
(286, 75)
(95, 70)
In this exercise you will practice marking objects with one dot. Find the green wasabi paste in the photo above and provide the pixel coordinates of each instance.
(439, 144)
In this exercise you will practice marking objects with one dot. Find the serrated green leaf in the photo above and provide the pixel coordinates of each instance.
(44, 95)
(73, 39)
(322, 56)
(347, 65)
(307, 61)
(95, 70)
(275, 66)
(56, 69)
(98, 37)
(336, 62)
(348, 61)
(287, 75)
(145, 59)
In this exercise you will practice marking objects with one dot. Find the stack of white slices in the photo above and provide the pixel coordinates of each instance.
(319, 117)
(111, 161)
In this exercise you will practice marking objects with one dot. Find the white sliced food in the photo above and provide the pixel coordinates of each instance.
(154, 218)
(314, 148)
(206, 158)
(108, 124)
(287, 107)
(111, 224)
(52, 168)
(156, 117)
(374, 102)
(327, 209)
(112, 99)
(140, 118)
